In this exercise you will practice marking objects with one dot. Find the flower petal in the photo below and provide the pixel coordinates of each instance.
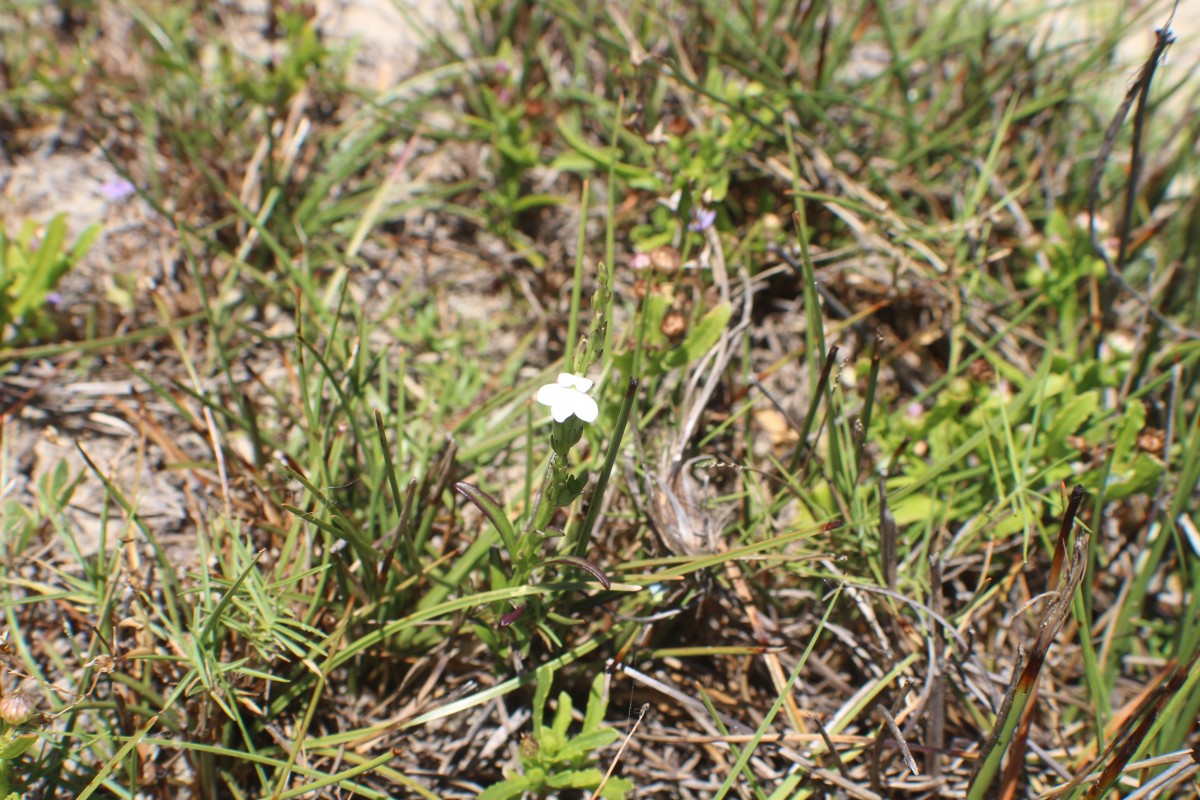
(576, 382)
(585, 408)
(550, 395)
(561, 411)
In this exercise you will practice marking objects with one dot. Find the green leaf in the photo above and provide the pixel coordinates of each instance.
(606, 157)
(686, 201)
(83, 244)
(536, 201)
(562, 715)
(513, 787)
(570, 489)
(575, 779)
(497, 578)
(585, 743)
(17, 746)
(50, 249)
(1132, 422)
(702, 337)
(573, 162)
(493, 511)
(540, 694)
(596, 705)
(616, 789)
(1140, 476)
(1071, 416)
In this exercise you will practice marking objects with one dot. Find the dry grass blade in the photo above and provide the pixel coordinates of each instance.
(1184, 758)
(620, 751)
(898, 738)
(935, 726)
(1025, 678)
(1064, 535)
(1133, 743)
(1014, 768)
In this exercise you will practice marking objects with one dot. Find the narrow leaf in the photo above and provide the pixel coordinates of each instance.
(493, 511)
(587, 566)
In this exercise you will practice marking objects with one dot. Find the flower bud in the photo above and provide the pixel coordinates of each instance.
(16, 708)
(529, 747)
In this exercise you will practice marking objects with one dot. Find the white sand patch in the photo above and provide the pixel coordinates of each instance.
(390, 34)
(1088, 23)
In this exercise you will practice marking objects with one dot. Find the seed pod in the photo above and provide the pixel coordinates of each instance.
(1152, 440)
(16, 708)
(674, 324)
(665, 259)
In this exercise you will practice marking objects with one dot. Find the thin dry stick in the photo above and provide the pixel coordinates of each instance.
(612, 767)
(675, 694)
(1159, 784)
(887, 534)
(1139, 91)
(837, 758)
(900, 742)
(935, 719)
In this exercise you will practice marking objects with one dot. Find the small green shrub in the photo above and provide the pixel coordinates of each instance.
(551, 759)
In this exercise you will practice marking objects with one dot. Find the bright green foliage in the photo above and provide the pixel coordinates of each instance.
(1069, 262)
(553, 758)
(31, 266)
(501, 116)
(1006, 442)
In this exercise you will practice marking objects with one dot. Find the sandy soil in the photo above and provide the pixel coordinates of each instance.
(47, 419)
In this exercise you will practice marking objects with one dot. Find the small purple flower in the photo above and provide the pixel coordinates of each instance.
(116, 190)
(639, 261)
(702, 219)
(54, 299)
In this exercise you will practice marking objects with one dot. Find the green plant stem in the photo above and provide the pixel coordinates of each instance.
(577, 543)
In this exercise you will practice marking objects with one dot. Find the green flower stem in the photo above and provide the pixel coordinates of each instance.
(544, 510)
(577, 542)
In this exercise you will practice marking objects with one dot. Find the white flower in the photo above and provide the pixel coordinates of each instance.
(567, 397)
